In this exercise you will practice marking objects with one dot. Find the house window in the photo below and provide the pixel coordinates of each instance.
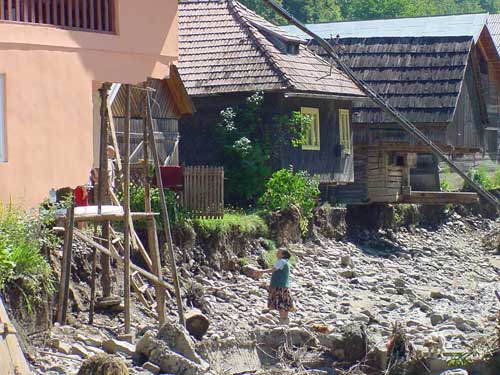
(3, 152)
(345, 131)
(88, 15)
(313, 136)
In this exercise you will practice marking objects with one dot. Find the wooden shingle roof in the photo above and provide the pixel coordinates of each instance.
(226, 48)
(420, 76)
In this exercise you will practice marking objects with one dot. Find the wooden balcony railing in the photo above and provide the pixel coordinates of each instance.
(88, 15)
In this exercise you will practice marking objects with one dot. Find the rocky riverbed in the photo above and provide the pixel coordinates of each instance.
(435, 282)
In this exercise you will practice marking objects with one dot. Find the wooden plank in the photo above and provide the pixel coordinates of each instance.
(63, 297)
(9, 10)
(62, 15)
(69, 14)
(99, 15)
(11, 356)
(440, 197)
(114, 140)
(47, 11)
(54, 13)
(106, 15)
(18, 13)
(32, 11)
(77, 14)
(155, 256)
(85, 14)
(126, 208)
(2, 9)
(92, 14)
(40, 11)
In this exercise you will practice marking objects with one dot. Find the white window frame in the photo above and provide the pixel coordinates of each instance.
(3, 130)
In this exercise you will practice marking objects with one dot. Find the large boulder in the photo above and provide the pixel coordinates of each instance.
(159, 353)
(178, 340)
(103, 364)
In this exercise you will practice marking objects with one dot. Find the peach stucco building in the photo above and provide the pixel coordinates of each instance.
(54, 56)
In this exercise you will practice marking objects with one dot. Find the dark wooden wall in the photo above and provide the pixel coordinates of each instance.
(466, 130)
(198, 145)
(330, 162)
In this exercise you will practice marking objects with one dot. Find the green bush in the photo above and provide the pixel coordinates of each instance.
(480, 176)
(22, 237)
(249, 145)
(247, 224)
(286, 189)
(175, 213)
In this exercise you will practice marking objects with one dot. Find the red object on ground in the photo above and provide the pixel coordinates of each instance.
(172, 178)
(81, 196)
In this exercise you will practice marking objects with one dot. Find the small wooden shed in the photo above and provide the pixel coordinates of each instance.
(170, 103)
(438, 83)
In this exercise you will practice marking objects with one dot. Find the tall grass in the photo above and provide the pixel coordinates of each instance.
(22, 236)
(249, 224)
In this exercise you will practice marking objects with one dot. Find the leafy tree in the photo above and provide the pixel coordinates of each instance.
(249, 145)
(313, 11)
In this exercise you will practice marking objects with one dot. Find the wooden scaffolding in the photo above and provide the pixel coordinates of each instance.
(109, 244)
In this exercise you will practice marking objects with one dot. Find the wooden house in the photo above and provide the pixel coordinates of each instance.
(227, 53)
(443, 83)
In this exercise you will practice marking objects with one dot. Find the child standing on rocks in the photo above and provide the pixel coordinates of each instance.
(279, 288)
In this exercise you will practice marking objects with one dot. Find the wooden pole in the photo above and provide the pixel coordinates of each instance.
(164, 211)
(93, 282)
(151, 228)
(126, 209)
(103, 188)
(155, 256)
(66, 265)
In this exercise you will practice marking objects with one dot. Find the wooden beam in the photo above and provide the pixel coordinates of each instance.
(119, 167)
(164, 211)
(62, 306)
(54, 13)
(40, 11)
(126, 208)
(92, 15)
(107, 252)
(47, 11)
(18, 13)
(11, 355)
(2, 9)
(440, 197)
(9, 10)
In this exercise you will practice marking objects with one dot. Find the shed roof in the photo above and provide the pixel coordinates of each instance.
(457, 25)
(226, 48)
(420, 76)
(494, 27)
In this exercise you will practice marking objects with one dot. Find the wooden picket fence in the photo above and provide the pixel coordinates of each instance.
(203, 193)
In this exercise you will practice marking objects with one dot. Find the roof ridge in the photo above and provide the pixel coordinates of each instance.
(233, 8)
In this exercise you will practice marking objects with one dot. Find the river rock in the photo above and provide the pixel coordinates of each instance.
(178, 340)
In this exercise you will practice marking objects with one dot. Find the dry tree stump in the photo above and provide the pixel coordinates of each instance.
(103, 364)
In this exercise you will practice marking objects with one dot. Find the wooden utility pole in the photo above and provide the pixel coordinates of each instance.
(126, 209)
(164, 211)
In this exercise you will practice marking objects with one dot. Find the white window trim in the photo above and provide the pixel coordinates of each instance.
(3, 130)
